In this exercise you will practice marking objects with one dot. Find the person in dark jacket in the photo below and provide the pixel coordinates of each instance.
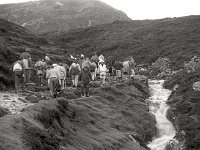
(85, 78)
(26, 58)
(118, 66)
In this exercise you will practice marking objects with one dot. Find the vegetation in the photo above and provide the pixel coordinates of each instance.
(13, 41)
(146, 41)
(114, 117)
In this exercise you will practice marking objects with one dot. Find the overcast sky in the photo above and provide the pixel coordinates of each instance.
(149, 9)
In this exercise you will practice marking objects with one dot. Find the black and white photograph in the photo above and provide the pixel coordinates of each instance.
(99, 75)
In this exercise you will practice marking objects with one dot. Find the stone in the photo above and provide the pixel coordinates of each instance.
(95, 84)
(68, 95)
(32, 99)
(31, 87)
(22, 100)
(196, 86)
(4, 111)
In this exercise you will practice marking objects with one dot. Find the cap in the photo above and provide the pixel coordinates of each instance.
(54, 65)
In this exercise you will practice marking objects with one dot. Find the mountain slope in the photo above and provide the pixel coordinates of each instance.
(14, 40)
(146, 41)
(60, 15)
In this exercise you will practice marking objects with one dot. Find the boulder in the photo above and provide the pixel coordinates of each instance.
(4, 111)
(172, 145)
(68, 95)
(162, 64)
(31, 87)
(193, 65)
(196, 86)
(95, 84)
(32, 99)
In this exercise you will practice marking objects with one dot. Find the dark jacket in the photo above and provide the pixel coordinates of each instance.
(25, 55)
(85, 76)
(118, 65)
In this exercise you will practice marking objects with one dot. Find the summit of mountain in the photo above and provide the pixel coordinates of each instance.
(45, 16)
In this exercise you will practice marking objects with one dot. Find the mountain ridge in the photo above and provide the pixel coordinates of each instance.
(60, 15)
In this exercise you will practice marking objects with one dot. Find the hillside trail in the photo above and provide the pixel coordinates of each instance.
(158, 107)
(13, 102)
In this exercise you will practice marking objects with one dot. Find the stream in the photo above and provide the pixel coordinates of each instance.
(158, 107)
(13, 102)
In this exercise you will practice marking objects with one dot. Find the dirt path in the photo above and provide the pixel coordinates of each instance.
(14, 102)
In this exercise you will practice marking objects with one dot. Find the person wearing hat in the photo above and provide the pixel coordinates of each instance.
(85, 77)
(102, 70)
(53, 76)
(26, 58)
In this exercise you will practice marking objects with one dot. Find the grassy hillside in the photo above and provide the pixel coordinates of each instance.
(146, 41)
(13, 41)
(115, 117)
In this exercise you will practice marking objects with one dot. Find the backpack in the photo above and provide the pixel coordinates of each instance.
(26, 63)
(93, 67)
(74, 71)
(17, 66)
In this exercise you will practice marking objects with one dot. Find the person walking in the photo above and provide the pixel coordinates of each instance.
(53, 76)
(39, 71)
(95, 59)
(132, 65)
(118, 66)
(85, 78)
(126, 68)
(75, 71)
(81, 60)
(93, 69)
(26, 58)
(62, 71)
(103, 71)
(18, 69)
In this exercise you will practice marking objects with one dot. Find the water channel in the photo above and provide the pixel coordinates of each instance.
(158, 107)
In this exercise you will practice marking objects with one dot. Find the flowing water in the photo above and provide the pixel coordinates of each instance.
(158, 107)
(12, 102)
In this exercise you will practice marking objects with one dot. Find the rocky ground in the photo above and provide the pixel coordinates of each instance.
(184, 111)
(115, 117)
(13, 103)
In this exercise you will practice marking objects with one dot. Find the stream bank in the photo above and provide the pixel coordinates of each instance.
(116, 116)
(184, 108)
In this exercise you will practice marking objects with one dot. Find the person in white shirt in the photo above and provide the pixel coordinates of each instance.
(53, 76)
(19, 70)
(103, 71)
(62, 71)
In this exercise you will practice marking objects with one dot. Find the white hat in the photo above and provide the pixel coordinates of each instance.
(101, 61)
(47, 58)
(54, 65)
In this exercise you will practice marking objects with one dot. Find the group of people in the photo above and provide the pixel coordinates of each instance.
(83, 70)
